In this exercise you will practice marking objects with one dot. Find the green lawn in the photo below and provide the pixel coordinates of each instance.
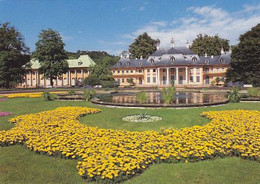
(19, 165)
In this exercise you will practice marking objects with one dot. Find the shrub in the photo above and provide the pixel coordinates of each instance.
(48, 96)
(89, 94)
(253, 92)
(168, 94)
(233, 95)
(141, 97)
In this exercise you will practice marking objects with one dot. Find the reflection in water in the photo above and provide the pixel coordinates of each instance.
(155, 98)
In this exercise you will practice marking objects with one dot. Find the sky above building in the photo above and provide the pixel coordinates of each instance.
(112, 25)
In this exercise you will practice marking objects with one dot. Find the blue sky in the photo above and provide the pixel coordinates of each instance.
(112, 25)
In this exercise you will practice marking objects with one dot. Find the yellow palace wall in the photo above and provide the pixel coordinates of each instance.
(196, 75)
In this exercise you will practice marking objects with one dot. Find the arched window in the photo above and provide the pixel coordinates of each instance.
(172, 59)
(194, 59)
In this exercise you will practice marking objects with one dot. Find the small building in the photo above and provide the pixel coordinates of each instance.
(78, 70)
(178, 65)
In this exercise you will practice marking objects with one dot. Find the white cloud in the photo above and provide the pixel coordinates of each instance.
(66, 37)
(141, 8)
(209, 20)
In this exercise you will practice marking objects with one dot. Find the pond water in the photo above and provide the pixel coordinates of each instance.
(156, 98)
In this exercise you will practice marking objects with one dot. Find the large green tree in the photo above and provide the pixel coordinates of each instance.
(13, 56)
(245, 63)
(210, 45)
(51, 54)
(142, 46)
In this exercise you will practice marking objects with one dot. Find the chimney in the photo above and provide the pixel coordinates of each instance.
(222, 51)
(121, 56)
(230, 49)
(141, 58)
(158, 44)
(206, 55)
(172, 43)
(188, 44)
(212, 56)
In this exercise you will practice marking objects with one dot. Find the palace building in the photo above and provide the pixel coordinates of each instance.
(76, 73)
(178, 65)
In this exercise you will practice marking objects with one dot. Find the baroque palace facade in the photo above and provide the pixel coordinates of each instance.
(178, 65)
(77, 72)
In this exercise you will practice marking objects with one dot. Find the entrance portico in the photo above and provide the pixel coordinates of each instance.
(165, 75)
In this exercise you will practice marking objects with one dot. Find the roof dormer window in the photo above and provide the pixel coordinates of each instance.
(172, 59)
(140, 63)
(194, 59)
(128, 63)
(80, 63)
(151, 60)
(119, 64)
(222, 60)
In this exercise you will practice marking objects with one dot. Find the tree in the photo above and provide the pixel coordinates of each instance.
(245, 59)
(100, 75)
(143, 46)
(210, 45)
(51, 54)
(13, 56)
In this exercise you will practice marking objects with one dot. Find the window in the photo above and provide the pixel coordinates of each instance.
(151, 60)
(172, 59)
(123, 71)
(154, 79)
(132, 71)
(126, 71)
(191, 78)
(118, 71)
(80, 63)
(119, 64)
(140, 71)
(154, 70)
(223, 69)
(123, 80)
(198, 78)
(148, 70)
(164, 70)
(140, 64)
(148, 79)
(180, 69)
(78, 71)
(194, 59)
(118, 81)
(222, 60)
(113, 71)
(217, 69)
(128, 63)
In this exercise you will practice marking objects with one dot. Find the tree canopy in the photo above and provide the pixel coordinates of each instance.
(51, 54)
(245, 59)
(13, 56)
(142, 46)
(210, 45)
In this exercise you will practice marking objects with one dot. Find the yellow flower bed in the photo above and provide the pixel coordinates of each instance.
(29, 95)
(116, 155)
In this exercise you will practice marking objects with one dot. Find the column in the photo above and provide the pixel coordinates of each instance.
(82, 74)
(201, 75)
(69, 81)
(167, 77)
(26, 79)
(187, 80)
(68, 78)
(194, 75)
(158, 75)
(31, 77)
(177, 76)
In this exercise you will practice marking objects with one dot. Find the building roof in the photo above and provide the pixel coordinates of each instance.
(172, 57)
(82, 61)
